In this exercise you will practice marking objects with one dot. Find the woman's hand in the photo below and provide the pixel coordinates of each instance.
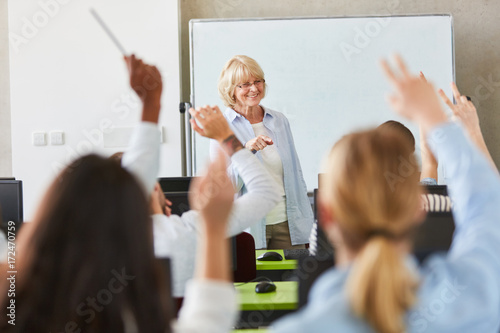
(413, 97)
(464, 111)
(214, 124)
(259, 143)
(147, 83)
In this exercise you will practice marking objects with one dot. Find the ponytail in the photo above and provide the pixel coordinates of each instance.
(380, 287)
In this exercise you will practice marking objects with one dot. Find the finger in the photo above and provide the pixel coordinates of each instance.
(206, 111)
(195, 113)
(402, 66)
(168, 211)
(464, 99)
(168, 202)
(446, 99)
(422, 76)
(216, 109)
(456, 93)
(389, 73)
(197, 128)
(394, 102)
(267, 140)
(200, 116)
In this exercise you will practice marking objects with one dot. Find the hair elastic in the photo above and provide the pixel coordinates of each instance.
(381, 233)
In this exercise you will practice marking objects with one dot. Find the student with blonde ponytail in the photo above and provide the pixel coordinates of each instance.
(370, 209)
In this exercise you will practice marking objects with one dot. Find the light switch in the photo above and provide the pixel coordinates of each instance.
(39, 139)
(56, 138)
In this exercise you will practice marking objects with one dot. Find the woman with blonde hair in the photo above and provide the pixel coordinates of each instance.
(370, 207)
(267, 134)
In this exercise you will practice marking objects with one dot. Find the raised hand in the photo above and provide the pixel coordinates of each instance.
(413, 98)
(466, 113)
(259, 143)
(464, 110)
(214, 124)
(147, 83)
(158, 203)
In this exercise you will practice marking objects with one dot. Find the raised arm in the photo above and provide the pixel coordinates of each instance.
(262, 192)
(210, 301)
(429, 163)
(466, 113)
(142, 156)
(474, 186)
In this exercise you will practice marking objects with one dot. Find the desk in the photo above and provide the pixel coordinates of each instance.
(261, 309)
(275, 270)
(274, 265)
(285, 297)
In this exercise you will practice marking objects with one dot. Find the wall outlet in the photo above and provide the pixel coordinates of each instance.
(56, 138)
(39, 139)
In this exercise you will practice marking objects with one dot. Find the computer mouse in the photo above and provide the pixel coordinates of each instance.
(270, 256)
(265, 287)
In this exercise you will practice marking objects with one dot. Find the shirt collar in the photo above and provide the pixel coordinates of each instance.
(232, 115)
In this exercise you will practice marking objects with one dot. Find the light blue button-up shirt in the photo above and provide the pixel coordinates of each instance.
(459, 291)
(298, 207)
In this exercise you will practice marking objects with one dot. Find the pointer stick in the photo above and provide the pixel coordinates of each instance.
(106, 29)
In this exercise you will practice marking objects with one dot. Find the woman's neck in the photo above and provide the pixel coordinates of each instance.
(254, 114)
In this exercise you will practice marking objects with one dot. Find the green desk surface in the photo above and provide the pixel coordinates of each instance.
(285, 297)
(274, 265)
(261, 330)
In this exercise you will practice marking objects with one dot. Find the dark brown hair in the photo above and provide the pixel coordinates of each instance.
(90, 261)
(404, 132)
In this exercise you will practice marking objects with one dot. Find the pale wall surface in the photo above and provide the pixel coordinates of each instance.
(477, 51)
(5, 140)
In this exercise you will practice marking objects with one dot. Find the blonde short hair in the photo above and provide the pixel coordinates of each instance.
(238, 70)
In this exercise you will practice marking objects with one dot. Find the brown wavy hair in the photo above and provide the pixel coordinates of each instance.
(92, 228)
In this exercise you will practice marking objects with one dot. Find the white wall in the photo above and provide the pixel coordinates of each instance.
(5, 142)
(66, 75)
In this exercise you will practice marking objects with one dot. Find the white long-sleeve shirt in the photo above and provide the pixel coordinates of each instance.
(176, 236)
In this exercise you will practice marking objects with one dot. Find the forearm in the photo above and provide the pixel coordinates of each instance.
(473, 186)
(261, 197)
(429, 163)
(142, 157)
(213, 261)
(478, 140)
(231, 144)
(151, 111)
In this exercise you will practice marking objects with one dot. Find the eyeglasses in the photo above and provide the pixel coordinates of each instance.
(247, 85)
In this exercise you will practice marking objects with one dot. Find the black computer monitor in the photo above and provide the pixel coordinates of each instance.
(175, 184)
(11, 201)
(436, 189)
(435, 234)
(180, 202)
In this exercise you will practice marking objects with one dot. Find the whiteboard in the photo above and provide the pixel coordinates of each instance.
(322, 73)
